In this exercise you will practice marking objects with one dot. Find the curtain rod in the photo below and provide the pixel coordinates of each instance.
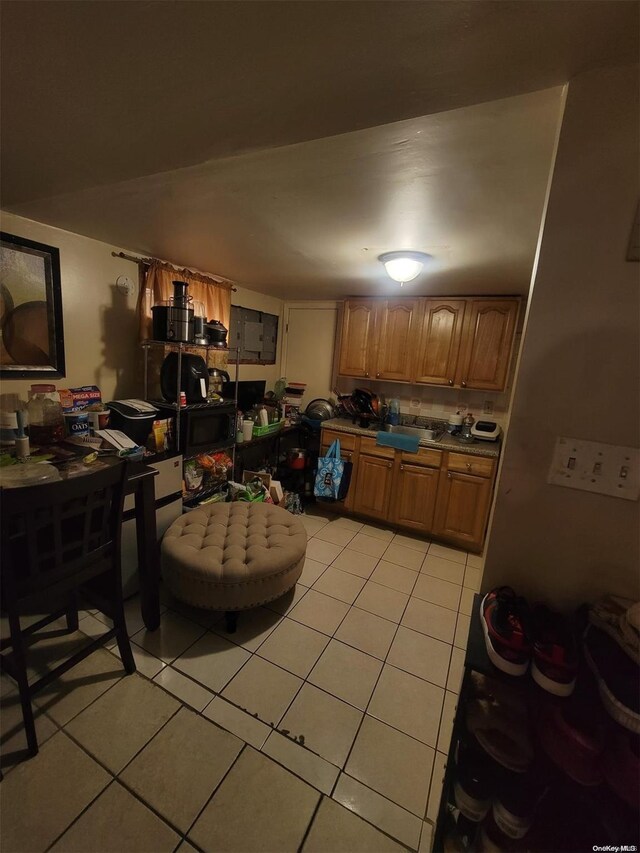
(146, 262)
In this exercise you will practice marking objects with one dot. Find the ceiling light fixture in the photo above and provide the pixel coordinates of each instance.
(403, 266)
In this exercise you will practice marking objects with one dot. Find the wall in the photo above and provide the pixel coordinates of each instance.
(100, 328)
(579, 371)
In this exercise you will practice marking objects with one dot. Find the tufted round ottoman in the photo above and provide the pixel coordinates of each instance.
(233, 556)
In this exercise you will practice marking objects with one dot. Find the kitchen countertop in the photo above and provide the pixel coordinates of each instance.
(447, 442)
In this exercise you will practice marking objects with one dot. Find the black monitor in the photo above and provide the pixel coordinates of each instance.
(250, 392)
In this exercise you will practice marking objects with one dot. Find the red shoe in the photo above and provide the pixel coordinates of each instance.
(505, 622)
(555, 658)
(620, 765)
(573, 740)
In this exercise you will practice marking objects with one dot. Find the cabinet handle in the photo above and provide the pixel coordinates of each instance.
(468, 464)
(449, 474)
(377, 376)
(451, 382)
(463, 383)
(402, 467)
(367, 375)
(389, 464)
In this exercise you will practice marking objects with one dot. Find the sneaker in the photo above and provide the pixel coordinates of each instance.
(620, 765)
(573, 739)
(460, 836)
(617, 676)
(473, 787)
(499, 722)
(505, 622)
(554, 664)
(620, 618)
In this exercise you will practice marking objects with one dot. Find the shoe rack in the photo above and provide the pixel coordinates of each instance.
(566, 815)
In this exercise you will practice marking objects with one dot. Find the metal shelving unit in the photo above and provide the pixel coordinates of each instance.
(181, 348)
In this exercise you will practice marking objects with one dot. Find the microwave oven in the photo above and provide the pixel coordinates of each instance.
(203, 426)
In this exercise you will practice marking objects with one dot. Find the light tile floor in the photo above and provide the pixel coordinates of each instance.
(326, 716)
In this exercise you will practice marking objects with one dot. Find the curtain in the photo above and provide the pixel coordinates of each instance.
(158, 286)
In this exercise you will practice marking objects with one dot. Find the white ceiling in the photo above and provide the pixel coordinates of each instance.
(285, 145)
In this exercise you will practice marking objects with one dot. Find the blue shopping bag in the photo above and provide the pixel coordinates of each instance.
(330, 473)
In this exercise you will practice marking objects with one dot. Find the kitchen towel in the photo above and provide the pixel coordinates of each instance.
(408, 443)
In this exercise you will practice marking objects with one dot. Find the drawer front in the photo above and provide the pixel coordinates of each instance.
(464, 463)
(344, 454)
(424, 456)
(347, 441)
(368, 445)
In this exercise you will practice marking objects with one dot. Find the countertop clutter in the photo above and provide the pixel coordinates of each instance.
(446, 442)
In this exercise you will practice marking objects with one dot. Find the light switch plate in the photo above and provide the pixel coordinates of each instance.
(594, 467)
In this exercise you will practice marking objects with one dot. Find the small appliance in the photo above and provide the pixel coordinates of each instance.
(173, 318)
(217, 334)
(204, 426)
(134, 418)
(199, 323)
(217, 378)
(486, 430)
(194, 378)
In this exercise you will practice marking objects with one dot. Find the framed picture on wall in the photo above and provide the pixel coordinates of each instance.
(31, 333)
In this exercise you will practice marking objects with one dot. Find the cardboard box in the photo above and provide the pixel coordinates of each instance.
(77, 399)
(247, 476)
(276, 492)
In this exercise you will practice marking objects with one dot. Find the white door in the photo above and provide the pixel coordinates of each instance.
(309, 347)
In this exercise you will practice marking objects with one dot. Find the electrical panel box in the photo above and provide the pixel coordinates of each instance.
(255, 333)
(594, 467)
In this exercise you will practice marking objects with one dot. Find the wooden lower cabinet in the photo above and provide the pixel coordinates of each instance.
(462, 508)
(413, 500)
(372, 493)
(433, 492)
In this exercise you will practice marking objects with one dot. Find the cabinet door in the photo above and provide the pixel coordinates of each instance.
(462, 508)
(394, 339)
(439, 341)
(373, 486)
(356, 342)
(487, 343)
(414, 494)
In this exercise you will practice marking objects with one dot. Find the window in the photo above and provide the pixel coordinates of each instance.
(255, 334)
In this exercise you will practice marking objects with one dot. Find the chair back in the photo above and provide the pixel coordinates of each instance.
(56, 535)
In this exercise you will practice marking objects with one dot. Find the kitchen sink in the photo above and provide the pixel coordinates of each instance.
(420, 432)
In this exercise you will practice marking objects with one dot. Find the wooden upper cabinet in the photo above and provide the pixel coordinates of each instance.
(489, 328)
(395, 338)
(440, 332)
(358, 322)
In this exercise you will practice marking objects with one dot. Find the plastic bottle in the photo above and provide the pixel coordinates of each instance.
(46, 421)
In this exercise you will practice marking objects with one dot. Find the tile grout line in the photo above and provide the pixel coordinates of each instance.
(346, 761)
(114, 776)
(183, 703)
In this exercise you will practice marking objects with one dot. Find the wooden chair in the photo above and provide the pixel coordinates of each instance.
(57, 538)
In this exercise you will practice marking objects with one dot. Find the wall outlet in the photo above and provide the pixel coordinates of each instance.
(461, 407)
(487, 408)
(594, 467)
(414, 405)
